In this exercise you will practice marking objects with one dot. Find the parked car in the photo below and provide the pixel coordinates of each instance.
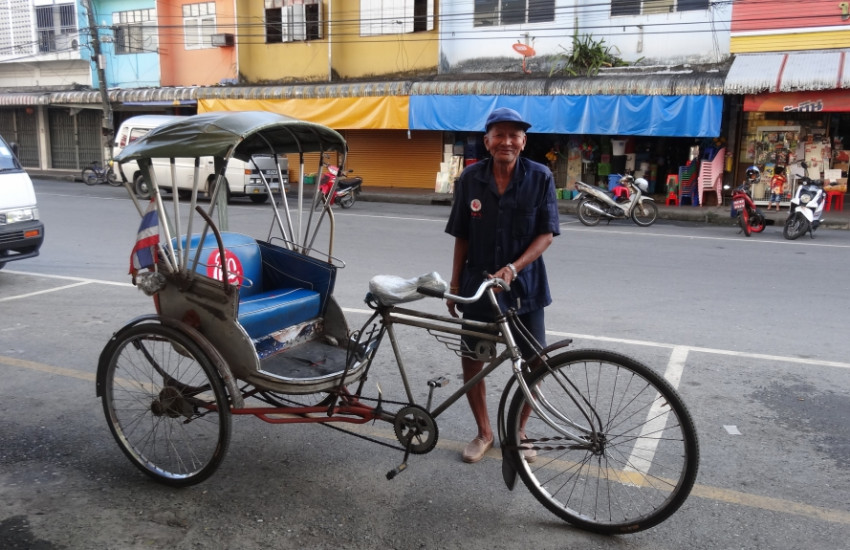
(21, 232)
(243, 178)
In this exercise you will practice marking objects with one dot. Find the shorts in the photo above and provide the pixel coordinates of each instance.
(533, 321)
(776, 197)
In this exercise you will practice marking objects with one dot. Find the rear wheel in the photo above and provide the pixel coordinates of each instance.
(645, 213)
(795, 227)
(757, 223)
(744, 221)
(347, 201)
(89, 176)
(636, 453)
(112, 178)
(142, 187)
(166, 405)
(586, 215)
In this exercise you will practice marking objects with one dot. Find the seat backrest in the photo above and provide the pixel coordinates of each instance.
(243, 260)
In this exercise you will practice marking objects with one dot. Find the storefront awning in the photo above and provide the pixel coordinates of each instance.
(755, 73)
(637, 115)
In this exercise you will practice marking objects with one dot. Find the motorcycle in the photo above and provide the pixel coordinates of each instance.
(345, 192)
(806, 213)
(596, 203)
(750, 218)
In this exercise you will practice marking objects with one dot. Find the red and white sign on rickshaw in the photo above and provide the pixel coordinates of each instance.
(235, 273)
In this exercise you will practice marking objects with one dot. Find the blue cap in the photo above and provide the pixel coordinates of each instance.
(504, 114)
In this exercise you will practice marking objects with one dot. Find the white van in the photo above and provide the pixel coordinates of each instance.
(243, 179)
(21, 232)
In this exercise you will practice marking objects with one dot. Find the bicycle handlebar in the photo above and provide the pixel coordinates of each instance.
(486, 284)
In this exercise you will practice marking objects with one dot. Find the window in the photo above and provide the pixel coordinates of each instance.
(198, 25)
(53, 24)
(135, 31)
(512, 12)
(395, 16)
(638, 7)
(287, 21)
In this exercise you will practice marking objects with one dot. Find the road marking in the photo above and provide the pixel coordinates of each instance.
(46, 291)
(807, 242)
(68, 278)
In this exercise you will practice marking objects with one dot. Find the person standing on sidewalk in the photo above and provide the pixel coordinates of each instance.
(504, 216)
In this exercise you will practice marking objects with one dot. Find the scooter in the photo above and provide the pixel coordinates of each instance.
(806, 213)
(750, 218)
(596, 203)
(346, 191)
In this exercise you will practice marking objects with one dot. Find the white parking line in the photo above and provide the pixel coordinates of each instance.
(46, 291)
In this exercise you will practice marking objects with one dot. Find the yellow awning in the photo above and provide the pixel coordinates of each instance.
(340, 113)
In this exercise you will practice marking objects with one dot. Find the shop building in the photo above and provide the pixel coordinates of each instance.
(789, 85)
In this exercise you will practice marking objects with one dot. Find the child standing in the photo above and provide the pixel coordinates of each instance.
(777, 184)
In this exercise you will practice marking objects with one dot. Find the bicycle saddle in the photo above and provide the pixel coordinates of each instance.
(391, 289)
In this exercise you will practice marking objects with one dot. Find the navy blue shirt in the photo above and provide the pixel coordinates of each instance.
(500, 228)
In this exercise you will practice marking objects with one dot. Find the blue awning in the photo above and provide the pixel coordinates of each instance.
(636, 115)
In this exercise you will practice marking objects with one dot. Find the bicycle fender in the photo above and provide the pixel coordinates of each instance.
(509, 467)
(197, 337)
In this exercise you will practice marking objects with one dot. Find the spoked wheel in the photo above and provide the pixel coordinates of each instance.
(637, 453)
(166, 405)
(89, 176)
(347, 201)
(744, 221)
(645, 213)
(795, 227)
(586, 215)
(112, 178)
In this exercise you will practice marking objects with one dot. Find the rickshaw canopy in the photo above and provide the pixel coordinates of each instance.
(216, 134)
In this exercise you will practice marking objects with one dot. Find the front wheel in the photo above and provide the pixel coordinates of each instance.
(757, 223)
(89, 176)
(645, 213)
(634, 454)
(586, 214)
(795, 226)
(258, 199)
(166, 405)
(348, 200)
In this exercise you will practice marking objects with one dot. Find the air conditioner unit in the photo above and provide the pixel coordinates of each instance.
(222, 40)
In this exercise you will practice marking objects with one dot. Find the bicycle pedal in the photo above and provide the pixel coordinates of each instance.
(438, 382)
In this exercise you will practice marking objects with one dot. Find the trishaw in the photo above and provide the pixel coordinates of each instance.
(248, 326)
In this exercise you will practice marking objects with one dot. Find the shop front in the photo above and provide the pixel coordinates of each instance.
(581, 134)
(796, 108)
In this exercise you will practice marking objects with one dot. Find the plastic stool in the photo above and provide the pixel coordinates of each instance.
(839, 200)
(673, 199)
(672, 183)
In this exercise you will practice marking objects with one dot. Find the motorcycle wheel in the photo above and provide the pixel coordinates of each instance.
(645, 213)
(744, 220)
(757, 223)
(795, 227)
(347, 201)
(585, 215)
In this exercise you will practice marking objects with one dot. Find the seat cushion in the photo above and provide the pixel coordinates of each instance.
(266, 312)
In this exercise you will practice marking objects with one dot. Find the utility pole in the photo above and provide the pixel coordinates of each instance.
(107, 128)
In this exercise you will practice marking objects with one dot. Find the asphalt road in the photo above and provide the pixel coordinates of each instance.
(752, 330)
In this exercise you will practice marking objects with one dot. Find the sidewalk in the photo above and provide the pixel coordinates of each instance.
(706, 214)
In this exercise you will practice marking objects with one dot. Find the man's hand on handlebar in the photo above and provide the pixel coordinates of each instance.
(501, 280)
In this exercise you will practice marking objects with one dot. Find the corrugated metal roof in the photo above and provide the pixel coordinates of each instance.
(19, 99)
(644, 84)
(754, 73)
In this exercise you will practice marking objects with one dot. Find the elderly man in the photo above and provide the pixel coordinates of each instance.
(504, 216)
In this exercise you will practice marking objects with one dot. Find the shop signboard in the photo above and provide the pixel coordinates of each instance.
(814, 101)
